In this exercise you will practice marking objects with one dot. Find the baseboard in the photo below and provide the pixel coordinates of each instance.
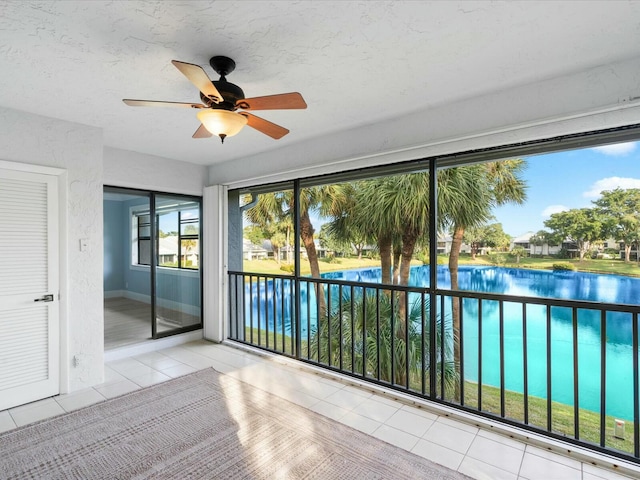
(151, 345)
(161, 302)
(114, 293)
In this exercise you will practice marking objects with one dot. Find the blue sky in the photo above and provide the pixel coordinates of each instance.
(572, 179)
(564, 180)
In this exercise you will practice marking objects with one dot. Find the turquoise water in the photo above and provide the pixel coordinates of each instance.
(533, 283)
(519, 282)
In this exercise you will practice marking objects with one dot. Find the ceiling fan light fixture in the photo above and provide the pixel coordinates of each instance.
(222, 123)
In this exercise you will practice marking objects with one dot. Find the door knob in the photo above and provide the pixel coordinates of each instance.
(45, 298)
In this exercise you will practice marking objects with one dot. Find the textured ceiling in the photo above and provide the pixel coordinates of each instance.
(355, 63)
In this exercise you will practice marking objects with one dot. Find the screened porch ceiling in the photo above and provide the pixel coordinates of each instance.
(356, 63)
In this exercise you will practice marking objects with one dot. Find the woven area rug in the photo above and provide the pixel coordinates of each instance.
(203, 425)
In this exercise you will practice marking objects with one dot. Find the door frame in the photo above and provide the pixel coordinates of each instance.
(63, 340)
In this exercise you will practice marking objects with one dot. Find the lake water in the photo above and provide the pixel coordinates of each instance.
(525, 283)
(537, 283)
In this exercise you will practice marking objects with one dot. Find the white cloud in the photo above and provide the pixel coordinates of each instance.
(617, 149)
(611, 183)
(551, 209)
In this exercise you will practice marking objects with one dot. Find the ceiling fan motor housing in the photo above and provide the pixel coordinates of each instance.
(230, 92)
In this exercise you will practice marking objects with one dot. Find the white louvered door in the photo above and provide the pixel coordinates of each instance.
(29, 317)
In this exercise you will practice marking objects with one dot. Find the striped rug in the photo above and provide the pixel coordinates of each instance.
(203, 425)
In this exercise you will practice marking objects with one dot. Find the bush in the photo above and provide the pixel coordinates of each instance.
(497, 258)
(442, 261)
(423, 257)
(564, 267)
(329, 259)
(287, 267)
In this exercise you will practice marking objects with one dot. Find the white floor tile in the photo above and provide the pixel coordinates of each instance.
(345, 399)
(178, 370)
(359, 422)
(329, 410)
(496, 454)
(396, 437)
(358, 391)
(6, 422)
(386, 400)
(438, 454)
(483, 471)
(591, 472)
(554, 457)
(130, 368)
(479, 453)
(297, 397)
(111, 376)
(33, 412)
(505, 440)
(79, 399)
(116, 389)
(458, 424)
(538, 468)
(409, 422)
(375, 410)
(150, 378)
(449, 437)
(422, 412)
(157, 361)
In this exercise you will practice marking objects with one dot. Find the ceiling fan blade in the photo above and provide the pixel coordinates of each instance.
(153, 103)
(196, 75)
(202, 132)
(282, 101)
(264, 126)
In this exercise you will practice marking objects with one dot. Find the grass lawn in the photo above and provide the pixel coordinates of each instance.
(270, 266)
(562, 418)
(618, 267)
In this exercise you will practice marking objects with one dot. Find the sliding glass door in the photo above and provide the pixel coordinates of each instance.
(176, 269)
(152, 277)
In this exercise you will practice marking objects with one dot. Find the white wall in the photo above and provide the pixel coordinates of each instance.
(124, 168)
(607, 96)
(37, 140)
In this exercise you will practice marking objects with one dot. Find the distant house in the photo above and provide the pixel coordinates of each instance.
(168, 253)
(445, 242)
(251, 251)
(524, 241)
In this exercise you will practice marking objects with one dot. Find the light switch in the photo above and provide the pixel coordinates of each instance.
(84, 244)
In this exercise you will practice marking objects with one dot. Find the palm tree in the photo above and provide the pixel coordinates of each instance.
(350, 340)
(466, 196)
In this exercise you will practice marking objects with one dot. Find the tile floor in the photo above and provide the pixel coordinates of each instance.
(460, 445)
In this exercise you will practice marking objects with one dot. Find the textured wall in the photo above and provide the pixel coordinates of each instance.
(78, 149)
(114, 251)
(123, 168)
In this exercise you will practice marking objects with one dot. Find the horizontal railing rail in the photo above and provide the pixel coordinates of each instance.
(567, 369)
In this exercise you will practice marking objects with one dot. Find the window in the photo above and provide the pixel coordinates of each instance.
(178, 239)
(143, 228)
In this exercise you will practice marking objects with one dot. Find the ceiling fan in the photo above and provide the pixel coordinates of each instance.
(223, 108)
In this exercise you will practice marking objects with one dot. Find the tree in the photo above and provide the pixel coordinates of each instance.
(331, 241)
(490, 235)
(518, 252)
(539, 239)
(270, 216)
(351, 338)
(579, 225)
(254, 234)
(620, 211)
(466, 196)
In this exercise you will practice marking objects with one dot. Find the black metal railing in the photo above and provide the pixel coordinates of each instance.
(567, 369)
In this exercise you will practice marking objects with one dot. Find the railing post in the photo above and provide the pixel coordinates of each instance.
(433, 273)
(296, 270)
